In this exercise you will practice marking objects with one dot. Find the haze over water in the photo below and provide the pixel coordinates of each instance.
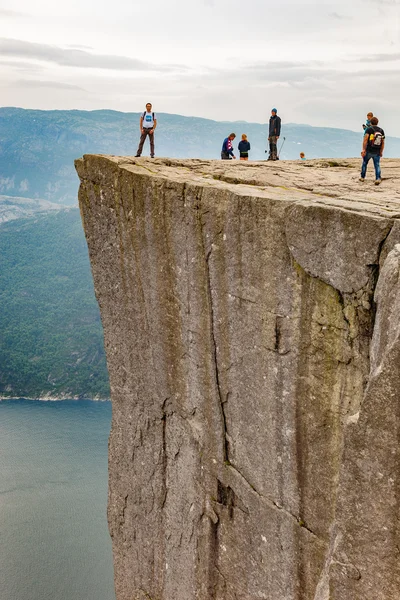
(54, 542)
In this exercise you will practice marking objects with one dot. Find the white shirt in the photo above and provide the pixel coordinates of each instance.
(148, 122)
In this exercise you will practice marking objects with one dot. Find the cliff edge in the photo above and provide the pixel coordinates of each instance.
(251, 315)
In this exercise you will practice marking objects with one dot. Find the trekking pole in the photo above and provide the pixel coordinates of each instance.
(280, 150)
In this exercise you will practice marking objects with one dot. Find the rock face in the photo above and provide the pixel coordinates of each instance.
(252, 320)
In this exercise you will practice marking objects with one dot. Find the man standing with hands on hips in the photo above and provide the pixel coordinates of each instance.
(273, 134)
(148, 123)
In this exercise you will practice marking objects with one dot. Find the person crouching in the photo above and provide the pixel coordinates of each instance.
(227, 147)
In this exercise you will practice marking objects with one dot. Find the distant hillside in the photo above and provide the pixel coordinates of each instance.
(51, 338)
(14, 207)
(37, 148)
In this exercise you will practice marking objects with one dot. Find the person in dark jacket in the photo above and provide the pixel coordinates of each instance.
(244, 147)
(273, 134)
(227, 147)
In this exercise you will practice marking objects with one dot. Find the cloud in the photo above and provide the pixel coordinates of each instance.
(33, 84)
(10, 14)
(80, 47)
(269, 73)
(21, 65)
(311, 74)
(68, 57)
(283, 64)
(379, 58)
(339, 17)
(386, 2)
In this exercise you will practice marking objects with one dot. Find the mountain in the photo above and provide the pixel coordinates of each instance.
(50, 331)
(37, 148)
(14, 207)
(51, 338)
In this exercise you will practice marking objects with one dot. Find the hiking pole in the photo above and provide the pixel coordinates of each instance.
(280, 150)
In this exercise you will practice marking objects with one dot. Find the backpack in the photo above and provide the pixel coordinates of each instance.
(375, 139)
(144, 114)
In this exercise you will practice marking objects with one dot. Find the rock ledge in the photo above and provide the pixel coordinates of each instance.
(251, 320)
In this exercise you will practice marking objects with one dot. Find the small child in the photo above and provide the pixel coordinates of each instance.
(244, 147)
(302, 156)
(368, 121)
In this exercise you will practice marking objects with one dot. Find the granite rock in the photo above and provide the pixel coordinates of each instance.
(251, 323)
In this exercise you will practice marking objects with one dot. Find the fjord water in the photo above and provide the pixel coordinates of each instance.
(54, 543)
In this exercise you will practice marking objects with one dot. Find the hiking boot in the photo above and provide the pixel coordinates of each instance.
(378, 181)
(151, 155)
(362, 179)
(137, 155)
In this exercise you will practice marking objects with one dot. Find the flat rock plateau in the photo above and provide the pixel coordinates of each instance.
(251, 316)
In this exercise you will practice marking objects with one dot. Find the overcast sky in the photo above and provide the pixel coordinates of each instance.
(319, 62)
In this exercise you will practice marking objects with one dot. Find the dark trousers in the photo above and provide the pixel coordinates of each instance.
(273, 151)
(146, 132)
(376, 158)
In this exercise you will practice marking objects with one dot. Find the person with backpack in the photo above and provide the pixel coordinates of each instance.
(273, 134)
(244, 147)
(373, 146)
(227, 147)
(148, 124)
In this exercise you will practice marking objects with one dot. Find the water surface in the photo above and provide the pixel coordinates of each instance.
(54, 542)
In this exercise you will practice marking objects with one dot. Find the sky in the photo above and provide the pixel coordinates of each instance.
(319, 62)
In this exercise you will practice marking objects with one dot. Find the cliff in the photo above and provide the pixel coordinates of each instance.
(251, 319)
